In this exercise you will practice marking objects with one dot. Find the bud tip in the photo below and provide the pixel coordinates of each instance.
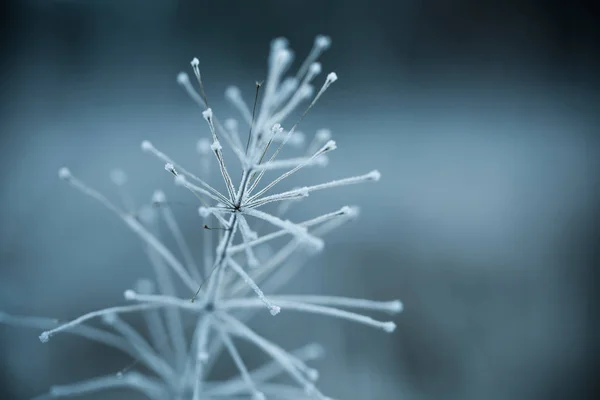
(233, 92)
(389, 327)
(182, 78)
(274, 310)
(170, 167)
(323, 41)
(207, 114)
(146, 145)
(396, 306)
(374, 175)
(315, 68)
(330, 145)
(216, 145)
(118, 177)
(204, 212)
(158, 197)
(323, 134)
(44, 337)
(64, 173)
(203, 146)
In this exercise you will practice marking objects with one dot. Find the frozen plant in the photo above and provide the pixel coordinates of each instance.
(239, 275)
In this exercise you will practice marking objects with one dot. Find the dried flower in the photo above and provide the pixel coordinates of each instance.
(235, 275)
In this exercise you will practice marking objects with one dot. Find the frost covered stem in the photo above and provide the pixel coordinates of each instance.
(202, 332)
(258, 85)
(387, 326)
(226, 241)
(219, 260)
(45, 336)
(133, 224)
(237, 359)
(131, 380)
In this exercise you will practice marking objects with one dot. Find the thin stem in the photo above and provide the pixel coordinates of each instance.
(196, 67)
(277, 353)
(155, 323)
(299, 231)
(131, 380)
(88, 332)
(184, 80)
(392, 307)
(161, 300)
(258, 85)
(202, 332)
(149, 147)
(133, 224)
(45, 336)
(220, 257)
(273, 309)
(216, 148)
(173, 226)
(387, 326)
(224, 244)
(321, 44)
(172, 315)
(266, 372)
(143, 349)
(332, 77)
(247, 236)
(329, 146)
(308, 223)
(237, 359)
(160, 249)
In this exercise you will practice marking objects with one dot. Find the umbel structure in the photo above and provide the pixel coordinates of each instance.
(197, 312)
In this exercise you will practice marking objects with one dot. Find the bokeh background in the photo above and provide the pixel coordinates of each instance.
(481, 115)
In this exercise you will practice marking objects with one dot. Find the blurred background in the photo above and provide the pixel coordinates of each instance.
(482, 117)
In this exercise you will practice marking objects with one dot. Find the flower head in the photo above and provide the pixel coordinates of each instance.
(234, 275)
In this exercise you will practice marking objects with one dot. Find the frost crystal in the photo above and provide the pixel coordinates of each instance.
(245, 266)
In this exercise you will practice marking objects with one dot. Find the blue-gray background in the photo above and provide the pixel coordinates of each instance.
(481, 115)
